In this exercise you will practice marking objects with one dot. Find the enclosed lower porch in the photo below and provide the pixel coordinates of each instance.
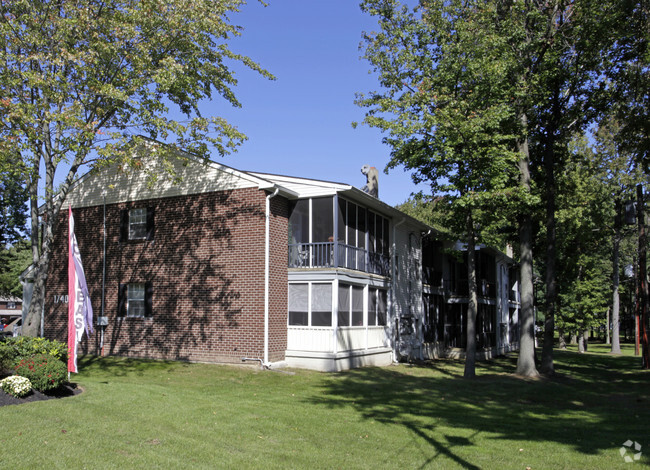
(335, 349)
(336, 324)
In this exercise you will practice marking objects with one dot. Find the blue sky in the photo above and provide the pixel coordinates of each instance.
(300, 124)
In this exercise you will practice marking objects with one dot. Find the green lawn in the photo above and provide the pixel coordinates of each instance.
(146, 414)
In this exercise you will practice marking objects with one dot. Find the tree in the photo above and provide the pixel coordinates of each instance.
(78, 79)
(585, 212)
(629, 76)
(13, 261)
(446, 115)
(13, 204)
(620, 172)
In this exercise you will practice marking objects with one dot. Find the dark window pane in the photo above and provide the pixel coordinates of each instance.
(361, 225)
(379, 233)
(298, 318)
(372, 307)
(321, 318)
(371, 232)
(343, 214)
(344, 305)
(322, 220)
(299, 221)
(386, 237)
(357, 306)
(352, 224)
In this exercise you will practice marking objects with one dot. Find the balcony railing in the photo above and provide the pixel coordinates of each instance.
(337, 255)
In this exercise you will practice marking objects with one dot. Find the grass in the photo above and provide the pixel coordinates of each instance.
(156, 414)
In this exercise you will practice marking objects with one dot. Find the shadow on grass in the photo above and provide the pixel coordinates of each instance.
(122, 366)
(594, 403)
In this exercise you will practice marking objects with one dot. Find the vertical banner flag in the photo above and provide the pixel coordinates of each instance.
(80, 311)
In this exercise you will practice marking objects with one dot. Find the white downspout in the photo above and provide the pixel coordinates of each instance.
(392, 282)
(267, 261)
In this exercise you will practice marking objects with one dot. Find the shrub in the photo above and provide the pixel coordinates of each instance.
(13, 349)
(7, 356)
(44, 371)
(16, 386)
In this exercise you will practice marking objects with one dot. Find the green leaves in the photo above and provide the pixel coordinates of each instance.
(444, 102)
(80, 78)
(77, 74)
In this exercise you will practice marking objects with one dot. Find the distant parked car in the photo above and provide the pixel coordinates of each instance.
(12, 328)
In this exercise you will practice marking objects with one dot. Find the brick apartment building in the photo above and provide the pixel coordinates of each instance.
(224, 265)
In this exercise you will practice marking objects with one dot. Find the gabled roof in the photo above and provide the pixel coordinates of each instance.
(195, 176)
(198, 175)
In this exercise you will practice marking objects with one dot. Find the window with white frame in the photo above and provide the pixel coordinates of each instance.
(137, 224)
(11, 305)
(310, 304)
(377, 307)
(350, 306)
(135, 300)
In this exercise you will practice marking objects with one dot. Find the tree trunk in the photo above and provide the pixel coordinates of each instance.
(41, 247)
(581, 343)
(526, 361)
(33, 319)
(585, 335)
(607, 340)
(470, 349)
(643, 279)
(574, 338)
(562, 338)
(546, 365)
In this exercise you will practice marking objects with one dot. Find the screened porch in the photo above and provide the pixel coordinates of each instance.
(331, 232)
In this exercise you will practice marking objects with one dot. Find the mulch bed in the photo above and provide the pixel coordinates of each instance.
(61, 392)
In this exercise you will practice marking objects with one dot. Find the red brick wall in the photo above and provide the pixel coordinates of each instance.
(206, 263)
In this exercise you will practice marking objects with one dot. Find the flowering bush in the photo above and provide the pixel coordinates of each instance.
(44, 371)
(16, 386)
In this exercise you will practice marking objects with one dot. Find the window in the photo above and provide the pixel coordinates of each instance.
(11, 305)
(382, 307)
(299, 304)
(357, 306)
(321, 305)
(137, 224)
(135, 300)
(376, 307)
(310, 304)
(350, 305)
(344, 305)
(322, 220)
(299, 221)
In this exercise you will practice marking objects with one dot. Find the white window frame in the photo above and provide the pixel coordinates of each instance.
(309, 285)
(134, 301)
(138, 223)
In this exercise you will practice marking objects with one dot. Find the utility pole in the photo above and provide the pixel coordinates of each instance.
(643, 278)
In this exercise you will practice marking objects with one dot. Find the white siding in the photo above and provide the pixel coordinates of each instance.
(132, 185)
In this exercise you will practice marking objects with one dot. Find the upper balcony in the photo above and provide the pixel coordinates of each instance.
(331, 232)
(337, 255)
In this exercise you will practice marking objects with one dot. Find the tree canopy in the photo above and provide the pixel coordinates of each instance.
(472, 93)
(79, 79)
